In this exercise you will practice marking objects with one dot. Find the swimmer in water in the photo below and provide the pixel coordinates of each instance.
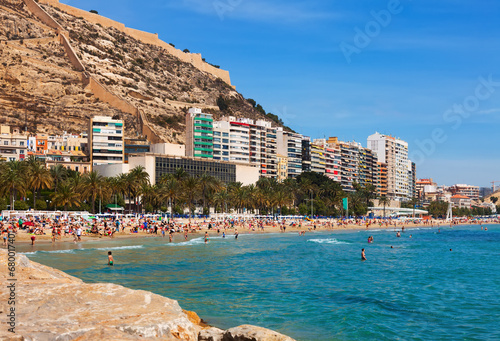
(206, 237)
(110, 259)
(363, 257)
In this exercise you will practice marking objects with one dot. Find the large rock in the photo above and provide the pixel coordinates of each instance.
(211, 334)
(52, 305)
(253, 333)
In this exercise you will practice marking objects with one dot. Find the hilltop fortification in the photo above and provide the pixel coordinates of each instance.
(147, 38)
(60, 65)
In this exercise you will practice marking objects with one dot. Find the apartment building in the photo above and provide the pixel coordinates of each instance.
(106, 143)
(380, 179)
(394, 153)
(465, 190)
(306, 154)
(199, 134)
(290, 144)
(244, 141)
(318, 163)
(13, 144)
(282, 168)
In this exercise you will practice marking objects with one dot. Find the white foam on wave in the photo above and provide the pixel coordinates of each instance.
(119, 248)
(327, 241)
(74, 250)
(195, 241)
(47, 251)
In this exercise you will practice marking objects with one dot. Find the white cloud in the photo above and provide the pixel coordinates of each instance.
(254, 10)
(489, 111)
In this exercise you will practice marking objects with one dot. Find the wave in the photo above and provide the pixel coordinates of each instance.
(195, 241)
(118, 248)
(44, 251)
(327, 241)
(74, 250)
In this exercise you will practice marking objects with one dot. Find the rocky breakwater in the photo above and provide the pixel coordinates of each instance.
(51, 305)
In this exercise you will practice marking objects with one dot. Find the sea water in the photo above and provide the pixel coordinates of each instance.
(313, 287)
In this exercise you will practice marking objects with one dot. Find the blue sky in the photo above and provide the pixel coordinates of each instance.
(415, 73)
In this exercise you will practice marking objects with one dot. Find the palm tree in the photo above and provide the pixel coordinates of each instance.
(169, 190)
(207, 185)
(93, 184)
(59, 174)
(137, 178)
(191, 187)
(66, 196)
(384, 201)
(282, 198)
(38, 177)
(13, 179)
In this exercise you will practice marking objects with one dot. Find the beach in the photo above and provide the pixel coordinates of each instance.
(429, 283)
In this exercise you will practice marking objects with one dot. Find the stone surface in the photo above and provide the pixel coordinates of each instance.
(253, 333)
(52, 305)
(211, 334)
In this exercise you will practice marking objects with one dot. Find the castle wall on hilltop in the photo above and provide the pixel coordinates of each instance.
(148, 38)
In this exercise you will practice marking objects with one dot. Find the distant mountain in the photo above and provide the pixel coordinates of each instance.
(60, 65)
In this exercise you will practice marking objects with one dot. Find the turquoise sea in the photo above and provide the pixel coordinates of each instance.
(314, 287)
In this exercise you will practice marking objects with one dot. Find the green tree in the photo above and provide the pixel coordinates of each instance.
(66, 196)
(38, 177)
(93, 184)
(384, 201)
(13, 179)
(59, 174)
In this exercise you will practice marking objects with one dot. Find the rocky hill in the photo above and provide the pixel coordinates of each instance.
(47, 89)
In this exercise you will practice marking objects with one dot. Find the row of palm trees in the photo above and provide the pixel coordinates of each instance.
(310, 193)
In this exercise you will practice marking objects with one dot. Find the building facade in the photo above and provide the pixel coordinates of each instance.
(394, 153)
(106, 141)
(242, 140)
(465, 190)
(13, 144)
(199, 134)
(290, 144)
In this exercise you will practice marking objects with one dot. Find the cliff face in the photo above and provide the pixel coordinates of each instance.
(51, 305)
(41, 89)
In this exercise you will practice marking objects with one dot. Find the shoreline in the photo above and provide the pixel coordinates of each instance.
(23, 238)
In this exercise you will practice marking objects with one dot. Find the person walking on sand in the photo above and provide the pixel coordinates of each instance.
(110, 259)
(363, 257)
(32, 240)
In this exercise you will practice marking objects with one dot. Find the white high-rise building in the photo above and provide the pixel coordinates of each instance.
(394, 153)
(244, 141)
(106, 140)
